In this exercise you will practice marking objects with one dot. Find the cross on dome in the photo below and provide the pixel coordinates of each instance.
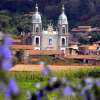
(36, 16)
(63, 8)
(36, 7)
(63, 18)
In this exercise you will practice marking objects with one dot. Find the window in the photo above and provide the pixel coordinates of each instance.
(63, 41)
(37, 29)
(37, 41)
(50, 41)
(63, 30)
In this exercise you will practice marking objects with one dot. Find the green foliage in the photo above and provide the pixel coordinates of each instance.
(26, 80)
(15, 15)
(15, 23)
(71, 74)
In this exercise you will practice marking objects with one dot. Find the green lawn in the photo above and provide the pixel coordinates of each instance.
(26, 80)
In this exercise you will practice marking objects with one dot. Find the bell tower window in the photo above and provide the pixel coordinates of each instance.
(37, 29)
(50, 41)
(63, 41)
(37, 40)
(63, 29)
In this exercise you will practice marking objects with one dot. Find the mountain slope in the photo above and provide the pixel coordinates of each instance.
(78, 11)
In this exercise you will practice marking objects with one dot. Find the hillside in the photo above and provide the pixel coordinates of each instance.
(15, 15)
(78, 11)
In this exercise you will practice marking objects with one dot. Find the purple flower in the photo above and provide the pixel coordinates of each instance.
(87, 95)
(98, 83)
(52, 80)
(6, 52)
(1, 51)
(7, 41)
(46, 71)
(38, 94)
(13, 87)
(6, 65)
(68, 91)
(7, 94)
(89, 83)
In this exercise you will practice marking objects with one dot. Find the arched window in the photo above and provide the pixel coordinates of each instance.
(50, 41)
(37, 29)
(63, 41)
(63, 30)
(37, 41)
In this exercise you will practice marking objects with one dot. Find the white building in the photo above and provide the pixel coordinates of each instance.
(49, 39)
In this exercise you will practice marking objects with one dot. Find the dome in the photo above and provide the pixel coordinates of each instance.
(36, 16)
(62, 18)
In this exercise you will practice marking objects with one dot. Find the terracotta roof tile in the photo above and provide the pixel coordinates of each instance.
(43, 52)
(23, 47)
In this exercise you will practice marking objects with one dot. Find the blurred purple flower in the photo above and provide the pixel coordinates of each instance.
(89, 82)
(38, 94)
(7, 41)
(6, 52)
(13, 87)
(68, 91)
(1, 55)
(98, 83)
(45, 71)
(6, 65)
(87, 95)
(52, 80)
(8, 94)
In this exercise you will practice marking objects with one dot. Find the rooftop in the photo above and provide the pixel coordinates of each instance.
(43, 52)
(31, 68)
(22, 47)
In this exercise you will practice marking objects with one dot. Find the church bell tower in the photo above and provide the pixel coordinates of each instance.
(63, 31)
(37, 29)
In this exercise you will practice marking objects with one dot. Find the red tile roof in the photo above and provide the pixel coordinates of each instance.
(43, 52)
(23, 47)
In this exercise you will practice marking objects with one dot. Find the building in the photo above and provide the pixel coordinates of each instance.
(50, 39)
(86, 32)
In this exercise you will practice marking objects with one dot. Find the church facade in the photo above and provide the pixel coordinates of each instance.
(50, 39)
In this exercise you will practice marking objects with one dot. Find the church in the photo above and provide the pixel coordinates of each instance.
(50, 39)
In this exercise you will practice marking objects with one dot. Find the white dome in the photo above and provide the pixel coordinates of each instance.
(36, 16)
(62, 18)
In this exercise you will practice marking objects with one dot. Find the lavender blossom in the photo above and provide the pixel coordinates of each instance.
(7, 41)
(8, 94)
(98, 83)
(13, 87)
(87, 94)
(46, 71)
(6, 65)
(68, 91)
(6, 52)
(89, 82)
(38, 94)
(52, 80)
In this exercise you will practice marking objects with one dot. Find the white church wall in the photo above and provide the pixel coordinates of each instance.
(45, 42)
